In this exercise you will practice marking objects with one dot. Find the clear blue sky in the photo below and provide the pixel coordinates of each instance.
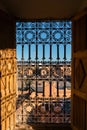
(43, 35)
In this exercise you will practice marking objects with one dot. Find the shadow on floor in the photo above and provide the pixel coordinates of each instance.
(44, 127)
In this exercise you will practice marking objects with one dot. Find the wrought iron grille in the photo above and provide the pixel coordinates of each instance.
(44, 71)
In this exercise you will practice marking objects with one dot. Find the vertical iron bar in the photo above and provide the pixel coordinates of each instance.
(29, 58)
(64, 91)
(36, 52)
(57, 88)
(36, 70)
(65, 52)
(29, 52)
(43, 88)
(58, 52)
(64, 83)
(22, 64)
(50, 52)
(50, 88)
(43, 52)
(36, 88)
(58, 58)
(22, 90)
(43, 58)
(36, 58)
(64, 67)
(22, 52)
(50, 69)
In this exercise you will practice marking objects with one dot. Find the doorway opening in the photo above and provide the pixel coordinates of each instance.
(43, 71)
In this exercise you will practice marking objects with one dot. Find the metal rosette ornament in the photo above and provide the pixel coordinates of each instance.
(43, 36)
(44, 72)
(28, 108)
(57, 109)
(56, 72)
(30, 72)
(57, 35)
(30, 36)
(28, 111)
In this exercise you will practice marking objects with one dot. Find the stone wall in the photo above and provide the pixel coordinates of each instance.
(7, 88)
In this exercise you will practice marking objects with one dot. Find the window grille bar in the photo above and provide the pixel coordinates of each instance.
(43, 88)
(58, 52)
(65, 53)
(50, 89)
(43, 52)
(22, 99)
(57, 88)
(36, 88)
(29, 51)
(22, 53)
(50, 53)
(36, 52)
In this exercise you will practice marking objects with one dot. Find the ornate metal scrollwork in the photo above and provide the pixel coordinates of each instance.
(43, 36)
(57, 35)
(30, 72)
(44, 72)
(30, 35)
(43, 32)
(56, 72)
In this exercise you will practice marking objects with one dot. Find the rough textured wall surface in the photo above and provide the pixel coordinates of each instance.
(8, 88)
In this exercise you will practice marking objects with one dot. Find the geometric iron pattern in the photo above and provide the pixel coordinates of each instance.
(43, 71)
(44, 78)
(43, 32)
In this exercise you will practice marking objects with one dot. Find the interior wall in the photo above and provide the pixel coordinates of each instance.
(7, 72)
(43, 9)
(84, 5)
(2, 7)
(7, 31)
